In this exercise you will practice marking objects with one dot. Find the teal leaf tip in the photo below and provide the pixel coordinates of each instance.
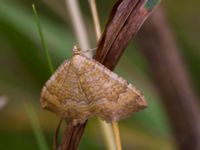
(150, 4)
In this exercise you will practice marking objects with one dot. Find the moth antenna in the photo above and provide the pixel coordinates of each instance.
(93, 50)
(78, 51)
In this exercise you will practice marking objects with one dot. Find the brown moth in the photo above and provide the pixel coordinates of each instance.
(82, 88)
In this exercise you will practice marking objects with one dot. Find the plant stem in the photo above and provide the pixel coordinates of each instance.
(108, 135)
(95, 17)
(117, 135)
(78, 25)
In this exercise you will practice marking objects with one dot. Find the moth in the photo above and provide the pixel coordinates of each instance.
(82, 88)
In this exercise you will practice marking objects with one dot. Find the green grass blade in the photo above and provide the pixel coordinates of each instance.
(36, 127)
(42, 39)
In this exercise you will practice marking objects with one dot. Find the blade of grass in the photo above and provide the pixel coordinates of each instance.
(78, 25)
(117, 135)
(35, 123)
(39, 135)
(42, 39)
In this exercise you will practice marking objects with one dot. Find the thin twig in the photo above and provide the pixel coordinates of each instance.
(108, 135)
(95, 17)
(117, 135)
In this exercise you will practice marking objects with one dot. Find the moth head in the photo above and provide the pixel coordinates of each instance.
(76, 50)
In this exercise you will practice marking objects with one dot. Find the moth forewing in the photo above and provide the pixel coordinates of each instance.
(82, 88)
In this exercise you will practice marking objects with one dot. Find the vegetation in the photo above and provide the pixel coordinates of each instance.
(24, 69)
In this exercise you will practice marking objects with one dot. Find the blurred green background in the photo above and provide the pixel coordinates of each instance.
(24, 69)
